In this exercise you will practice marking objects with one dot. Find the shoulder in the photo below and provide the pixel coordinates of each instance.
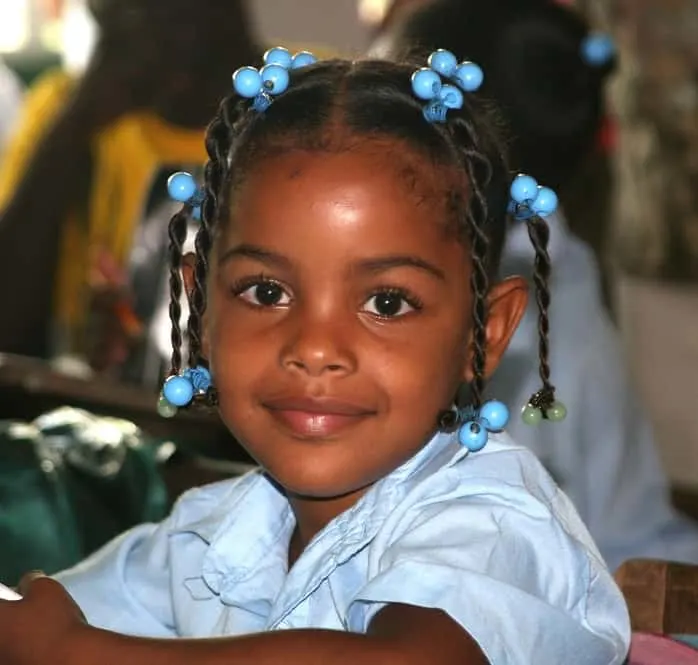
(491, 540)
(504, 481)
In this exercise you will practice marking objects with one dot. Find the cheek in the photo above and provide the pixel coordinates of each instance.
(235, 342)
(425, 367)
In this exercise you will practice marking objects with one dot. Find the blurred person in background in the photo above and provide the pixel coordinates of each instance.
(10, 103)
(87, 169)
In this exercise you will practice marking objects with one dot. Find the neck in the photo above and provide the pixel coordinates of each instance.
(313, 515)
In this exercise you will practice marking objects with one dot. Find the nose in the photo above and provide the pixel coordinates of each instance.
(319, 346)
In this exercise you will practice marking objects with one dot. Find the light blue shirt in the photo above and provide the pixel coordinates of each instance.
(603, 455)
(488, 538)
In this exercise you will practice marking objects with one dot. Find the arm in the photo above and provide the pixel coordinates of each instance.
(399, 634)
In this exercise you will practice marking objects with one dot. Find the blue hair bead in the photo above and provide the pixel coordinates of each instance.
(451, 97)
(524, 188)
(435, 112)
(495, 415)
(469, 76)
(181, 186)
(178, 391)
(196, 213)
(262, 102)
(598, 49)
(443, 62)
(275, 79)
(278, 56)
(199, 377)
(303, 59)
(473, 435)
(545, 202)
(247, 82)
(426, 83)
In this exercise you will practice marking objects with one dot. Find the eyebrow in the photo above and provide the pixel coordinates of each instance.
(384, 263)
(374, 265)
(257, 253)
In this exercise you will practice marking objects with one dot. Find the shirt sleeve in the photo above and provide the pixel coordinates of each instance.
(513, 565)
(125, 586)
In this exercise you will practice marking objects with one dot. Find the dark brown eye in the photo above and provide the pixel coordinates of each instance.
(266, 294)
(389, 304)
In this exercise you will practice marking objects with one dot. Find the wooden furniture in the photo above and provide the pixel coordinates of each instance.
(662, 596)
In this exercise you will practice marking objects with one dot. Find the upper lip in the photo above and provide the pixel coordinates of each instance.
(318, 405)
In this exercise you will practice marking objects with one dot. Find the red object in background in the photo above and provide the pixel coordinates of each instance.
(647, 649)
(607, 138)
(107, 274)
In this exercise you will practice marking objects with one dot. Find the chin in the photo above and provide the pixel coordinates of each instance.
(314, 480)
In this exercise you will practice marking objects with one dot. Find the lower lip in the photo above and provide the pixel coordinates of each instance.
(315, 425)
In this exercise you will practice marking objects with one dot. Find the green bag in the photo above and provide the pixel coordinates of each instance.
(70, 482)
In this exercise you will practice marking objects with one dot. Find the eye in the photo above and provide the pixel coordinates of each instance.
(391, 303)
(263, 293)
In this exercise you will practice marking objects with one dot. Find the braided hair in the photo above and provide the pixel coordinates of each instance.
(368, 99)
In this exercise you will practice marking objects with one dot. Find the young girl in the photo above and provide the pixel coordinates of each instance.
(347, 206)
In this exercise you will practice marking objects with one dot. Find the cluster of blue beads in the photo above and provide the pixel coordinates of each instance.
(493, 416)
(529, 199)
(428, 85)
(179, 390)
(261, 85)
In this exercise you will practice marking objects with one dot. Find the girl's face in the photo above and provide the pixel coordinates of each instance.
(339, 315)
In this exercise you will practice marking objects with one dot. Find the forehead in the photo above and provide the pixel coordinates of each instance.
(373, 196)
(390, 173)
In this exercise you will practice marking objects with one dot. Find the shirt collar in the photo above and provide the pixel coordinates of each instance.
(247, 533)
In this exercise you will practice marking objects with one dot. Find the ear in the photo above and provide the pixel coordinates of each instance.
(188, 268)
(506, 305)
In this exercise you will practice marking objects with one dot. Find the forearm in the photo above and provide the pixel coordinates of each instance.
(290, 647)
(31, 226)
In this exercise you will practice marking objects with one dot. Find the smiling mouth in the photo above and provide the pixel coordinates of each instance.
(316, 418)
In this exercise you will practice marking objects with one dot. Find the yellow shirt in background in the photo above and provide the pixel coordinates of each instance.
(126, 156)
